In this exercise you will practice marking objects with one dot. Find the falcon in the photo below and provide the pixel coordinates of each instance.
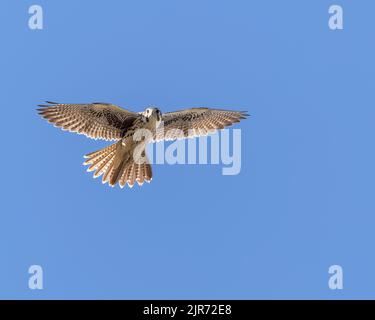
(125, 161)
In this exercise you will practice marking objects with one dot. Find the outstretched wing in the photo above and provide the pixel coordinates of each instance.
(195, 122)
(96, 120)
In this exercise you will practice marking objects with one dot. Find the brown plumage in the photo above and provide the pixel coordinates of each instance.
(97, 120)
(196, 122)
(117, 163)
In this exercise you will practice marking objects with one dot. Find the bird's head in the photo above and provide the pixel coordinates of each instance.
(152, 115)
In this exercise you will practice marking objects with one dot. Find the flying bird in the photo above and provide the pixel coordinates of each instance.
(125, 161)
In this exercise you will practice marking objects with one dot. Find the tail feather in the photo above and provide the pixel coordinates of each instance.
(97, 160)
(148, 173)
(118, 166)
(104, 165)
(140, 175)
(93, 155)
(135, 172)
(131, 175)
(108, 173)
(118, 170)
(100, 162)
(138, 170)
(124, 176)
(143, 173)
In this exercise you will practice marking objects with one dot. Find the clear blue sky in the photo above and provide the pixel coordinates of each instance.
(304, 199)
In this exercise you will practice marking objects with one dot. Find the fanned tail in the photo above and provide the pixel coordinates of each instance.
(118, 166)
